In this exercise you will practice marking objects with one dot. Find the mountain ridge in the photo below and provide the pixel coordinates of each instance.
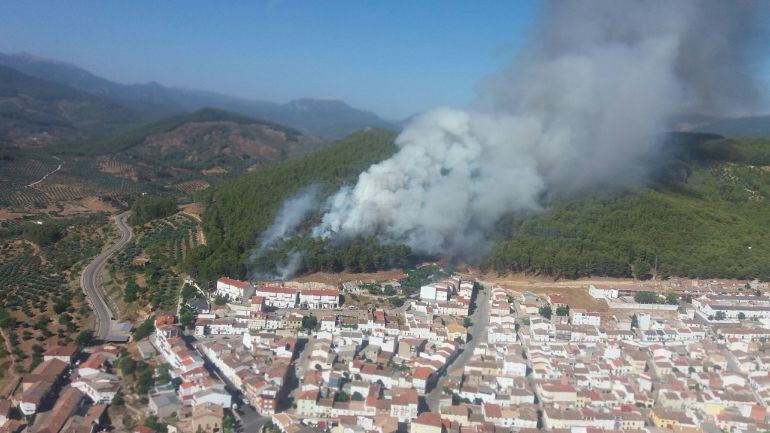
(156, 101)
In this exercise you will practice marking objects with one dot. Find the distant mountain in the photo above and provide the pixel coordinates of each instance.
(325, 118)
(35, 112)
(751, 126)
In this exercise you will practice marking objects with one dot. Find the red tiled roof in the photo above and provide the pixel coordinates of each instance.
(277, 289)
(429, 418)
(233, 282)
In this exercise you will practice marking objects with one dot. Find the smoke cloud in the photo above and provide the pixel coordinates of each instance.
(579, 107)
(293, 211)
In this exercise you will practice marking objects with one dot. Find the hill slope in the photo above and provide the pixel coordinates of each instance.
(179, 155)
(705, 215)
(239, 210)
(35, 112)
(324, 118)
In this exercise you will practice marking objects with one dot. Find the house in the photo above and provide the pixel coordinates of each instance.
(316, 299)
(199, 305)
(68, 403)
(427, 422)
(234, 290)
(163, 404)
(62, 353)
(140, 261)
(277, 296)
(207, 418)
(404, 404)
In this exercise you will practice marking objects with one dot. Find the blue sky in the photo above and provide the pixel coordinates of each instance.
(395, 58)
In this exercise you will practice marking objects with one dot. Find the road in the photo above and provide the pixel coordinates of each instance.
(91, 283)
(47, 174)
(478, 331)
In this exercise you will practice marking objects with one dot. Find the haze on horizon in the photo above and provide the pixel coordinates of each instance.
(393, 61)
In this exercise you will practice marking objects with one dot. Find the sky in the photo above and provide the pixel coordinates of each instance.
(394, 58)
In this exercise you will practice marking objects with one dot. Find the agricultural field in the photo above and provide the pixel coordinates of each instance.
(41, 303)
(143, 288)
(31, 183)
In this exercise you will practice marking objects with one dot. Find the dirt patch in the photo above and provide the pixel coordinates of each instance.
(575, 292)
(214, 170)
(330, 278)
(87, 205)
(192, 209)
(7, 214)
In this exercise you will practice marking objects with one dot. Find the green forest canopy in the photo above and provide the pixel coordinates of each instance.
(706, 215)
(238, 211)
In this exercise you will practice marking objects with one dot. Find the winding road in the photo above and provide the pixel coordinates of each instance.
(92, 285)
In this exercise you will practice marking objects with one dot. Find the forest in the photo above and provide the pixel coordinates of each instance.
(238, 211)
(704, 213)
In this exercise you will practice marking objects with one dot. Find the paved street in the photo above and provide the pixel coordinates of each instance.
(91, 284)
(480, 317)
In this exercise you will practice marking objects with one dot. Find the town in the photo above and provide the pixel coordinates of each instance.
(459, 356)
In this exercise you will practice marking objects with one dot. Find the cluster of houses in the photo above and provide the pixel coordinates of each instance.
(279, 296)
(685, 372)
(196, 386)
(63, 395)
(259, 369)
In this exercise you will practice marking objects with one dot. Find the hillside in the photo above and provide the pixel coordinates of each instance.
(708, 201)
(180, 155)
(239, 210)
(324, 118)
(35, 112)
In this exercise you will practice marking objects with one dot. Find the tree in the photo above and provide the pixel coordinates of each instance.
(545, 311)
(562, 311)
(6, 320)
(147, 208)
(145, 329)
(144, 381)
(118, 400)
(741, 316)
(720, 315)
(342, 396)
(85, 338)
(357, 396)
(220, 300)
(672, 299)
(127, 365)
(309, 323)
(163, 374)
(634, 322)
(645, 297)
(227, 423)
(187, 318)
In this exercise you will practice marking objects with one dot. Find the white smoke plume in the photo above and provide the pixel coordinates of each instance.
(580, 106)
(293, 211)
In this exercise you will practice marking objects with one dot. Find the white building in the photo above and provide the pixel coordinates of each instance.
(234, 290)
(316, 299)
(580, 317)
(436, 291)
(278, 296)
(598, 293)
